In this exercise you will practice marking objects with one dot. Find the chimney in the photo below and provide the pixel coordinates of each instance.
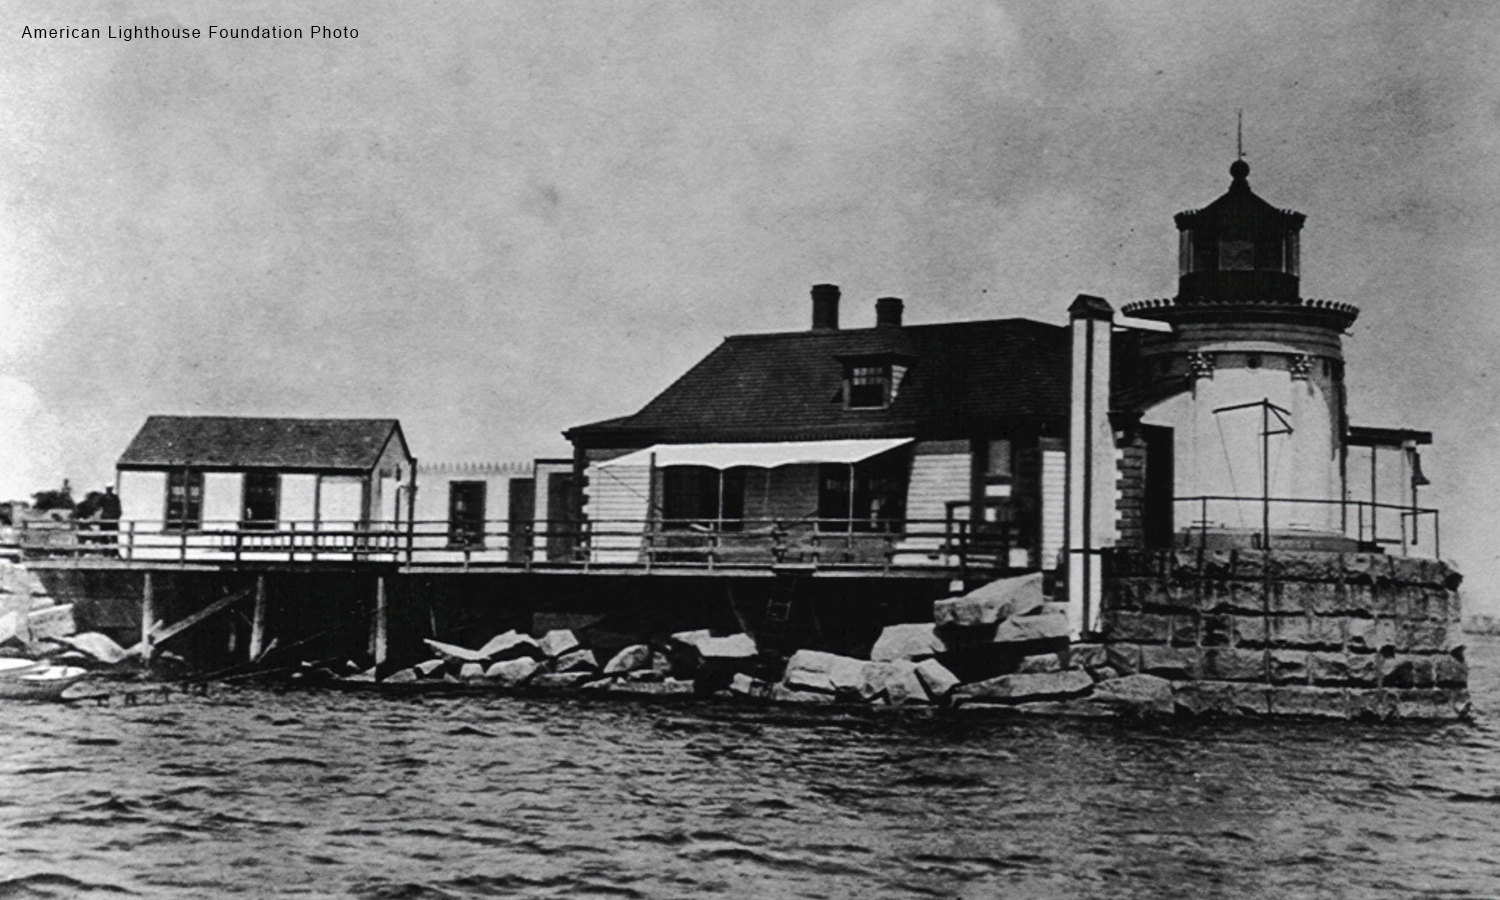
(888, 312)
(825, 299)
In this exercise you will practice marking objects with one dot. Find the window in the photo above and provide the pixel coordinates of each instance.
(999, 462)
(466, 513)
(867, 386)
(879, 502)
(1236, 256)
(691, 496)
(261, 492)
(184, 499)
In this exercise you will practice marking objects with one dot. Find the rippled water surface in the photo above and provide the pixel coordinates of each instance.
(312, 794)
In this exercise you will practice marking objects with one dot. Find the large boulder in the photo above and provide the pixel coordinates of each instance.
(692, 638)
(1013, 689)
(576, 661)
(559, 680)
(658, 668)
(719, 657)
(1042, 662)
(745, 686)
(898, 682)
(558, 642)
(735, 648)
(10, 625)
(97, 645)
(453, 652)
(510, 645)
(512, 672)
(938, 681)
(783, 694)
(1136, 694)
(52, 623)
(636, 656)
(472, 671)
(814, 670)
(401, 676)
(873, 677)
(670, 687)
(991, 604)
(914, 641)
(1041, 625)
(431, 668)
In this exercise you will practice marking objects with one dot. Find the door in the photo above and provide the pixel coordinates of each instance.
(521, 521)
(562, 525)
(466, 513)
(1157, 515)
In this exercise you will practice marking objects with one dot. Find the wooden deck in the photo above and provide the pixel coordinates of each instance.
(942, 549)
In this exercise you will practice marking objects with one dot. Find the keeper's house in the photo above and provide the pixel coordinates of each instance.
(212, 482)
(843, 445)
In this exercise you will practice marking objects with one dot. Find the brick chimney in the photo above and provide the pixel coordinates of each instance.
(888, 312)
(825, 299)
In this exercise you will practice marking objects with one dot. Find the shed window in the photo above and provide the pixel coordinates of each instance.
(184, 499)
(261, 493)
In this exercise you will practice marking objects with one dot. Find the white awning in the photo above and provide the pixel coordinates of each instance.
(760, 456)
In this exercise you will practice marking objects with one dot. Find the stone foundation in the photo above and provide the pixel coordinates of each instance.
(1289, 633)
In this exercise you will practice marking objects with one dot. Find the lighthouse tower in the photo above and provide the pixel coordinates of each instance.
(1248, 385)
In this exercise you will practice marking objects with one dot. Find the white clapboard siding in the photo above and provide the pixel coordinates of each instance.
(616, 504)
(222, 495)
(143, 498)
(936, 480)
(1054, 501)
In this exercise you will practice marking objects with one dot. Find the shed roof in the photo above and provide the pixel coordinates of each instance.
(261, 443)
(788, 386)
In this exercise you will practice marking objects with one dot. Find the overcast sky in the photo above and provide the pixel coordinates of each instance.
(497, 220)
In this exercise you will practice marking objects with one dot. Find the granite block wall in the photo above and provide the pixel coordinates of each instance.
(1299, 633)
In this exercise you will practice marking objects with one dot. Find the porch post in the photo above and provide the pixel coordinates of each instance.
(1091, 462)
(850, 526)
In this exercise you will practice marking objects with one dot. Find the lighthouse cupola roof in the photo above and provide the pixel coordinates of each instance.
(1239, 247)
(1240, 257)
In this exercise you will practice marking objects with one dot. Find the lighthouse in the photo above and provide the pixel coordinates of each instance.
(1247, 384)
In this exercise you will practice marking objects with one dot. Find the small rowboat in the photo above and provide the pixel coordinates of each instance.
(22, 679)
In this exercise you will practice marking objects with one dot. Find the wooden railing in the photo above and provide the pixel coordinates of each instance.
(710, 544)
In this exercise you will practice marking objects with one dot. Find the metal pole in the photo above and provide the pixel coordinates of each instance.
(1374, 510)
(1265, 476)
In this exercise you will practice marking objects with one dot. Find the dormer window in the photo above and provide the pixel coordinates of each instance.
(870, 385)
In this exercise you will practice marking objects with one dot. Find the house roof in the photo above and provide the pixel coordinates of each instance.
(788, 386)
(255, 443)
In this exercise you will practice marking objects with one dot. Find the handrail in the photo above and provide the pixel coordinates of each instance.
(1403, 513)
(822, 542)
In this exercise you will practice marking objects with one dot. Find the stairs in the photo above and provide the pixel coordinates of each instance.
(778, 619)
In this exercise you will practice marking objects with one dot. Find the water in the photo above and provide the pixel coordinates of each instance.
(255, 793)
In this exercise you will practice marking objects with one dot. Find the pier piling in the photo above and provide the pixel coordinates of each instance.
(148, 617)
(258, 623)
(379, 636)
